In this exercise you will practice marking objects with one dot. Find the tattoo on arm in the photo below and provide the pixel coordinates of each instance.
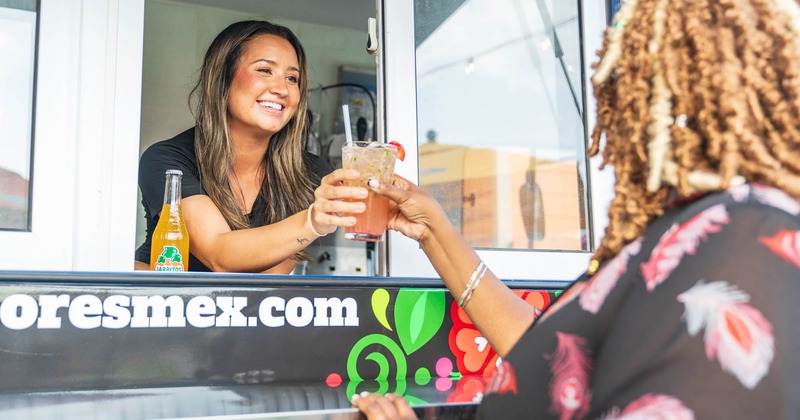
(302, 241)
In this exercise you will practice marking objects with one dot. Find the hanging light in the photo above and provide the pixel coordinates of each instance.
(546, 44)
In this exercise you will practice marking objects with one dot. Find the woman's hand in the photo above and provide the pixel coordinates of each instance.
(412, 211)
(329, 205)
(379, 407)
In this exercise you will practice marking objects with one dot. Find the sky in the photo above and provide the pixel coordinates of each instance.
(498, 83)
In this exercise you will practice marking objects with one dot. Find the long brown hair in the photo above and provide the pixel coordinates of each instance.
(695, 95)
(287, 185)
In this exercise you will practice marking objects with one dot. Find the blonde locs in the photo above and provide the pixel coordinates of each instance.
(284, 161)
(693, 96)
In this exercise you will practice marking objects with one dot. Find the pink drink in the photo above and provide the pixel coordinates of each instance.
(372, 160)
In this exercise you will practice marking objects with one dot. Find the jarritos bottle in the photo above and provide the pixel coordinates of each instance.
(170, 246)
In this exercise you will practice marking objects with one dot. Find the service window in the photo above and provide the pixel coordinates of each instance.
(500, 132)
(333, 33)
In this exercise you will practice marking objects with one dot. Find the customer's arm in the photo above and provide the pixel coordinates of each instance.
(500, 315)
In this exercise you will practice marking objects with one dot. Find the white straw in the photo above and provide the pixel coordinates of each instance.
(348, 132)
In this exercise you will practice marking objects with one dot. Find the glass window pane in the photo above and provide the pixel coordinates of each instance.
(17, 47)
(500, 121)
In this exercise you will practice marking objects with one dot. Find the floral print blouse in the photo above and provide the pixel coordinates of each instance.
(699, 318)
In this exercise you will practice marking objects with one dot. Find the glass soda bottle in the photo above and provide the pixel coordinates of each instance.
(170, 247)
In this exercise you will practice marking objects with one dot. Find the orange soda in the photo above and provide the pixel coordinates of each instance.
(170, 247)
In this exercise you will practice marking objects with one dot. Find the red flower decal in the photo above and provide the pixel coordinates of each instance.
(468, 389)
(474, 355)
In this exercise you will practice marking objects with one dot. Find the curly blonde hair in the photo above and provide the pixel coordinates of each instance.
(694, 96)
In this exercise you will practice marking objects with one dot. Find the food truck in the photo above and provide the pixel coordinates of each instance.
(490, 99)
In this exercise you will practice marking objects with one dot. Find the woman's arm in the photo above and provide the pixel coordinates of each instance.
(267, 248)
(499, 314)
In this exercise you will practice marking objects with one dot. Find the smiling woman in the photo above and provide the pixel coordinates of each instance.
(248, 183)
(265, 91)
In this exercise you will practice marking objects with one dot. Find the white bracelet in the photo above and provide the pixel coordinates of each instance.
(475, 286)
(467, 290)
(311, 225)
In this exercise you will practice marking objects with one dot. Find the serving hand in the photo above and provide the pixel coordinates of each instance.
(329, 207)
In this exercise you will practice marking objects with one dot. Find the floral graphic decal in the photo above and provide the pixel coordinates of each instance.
(735, 333)
(412, 318)
(418, 316)
(655, 407)
(786, 244)
(474, 355)
(468, 389)
(681, 240)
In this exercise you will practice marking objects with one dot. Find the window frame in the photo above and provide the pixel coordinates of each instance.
(86, 139)
(397, 68)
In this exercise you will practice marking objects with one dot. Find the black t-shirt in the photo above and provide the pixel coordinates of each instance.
(178, 153)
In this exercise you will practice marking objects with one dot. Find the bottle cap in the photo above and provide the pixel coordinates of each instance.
(174, 172)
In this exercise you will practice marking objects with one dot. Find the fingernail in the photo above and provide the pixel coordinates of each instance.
(364, 394)
(354, 398)
(374, 183)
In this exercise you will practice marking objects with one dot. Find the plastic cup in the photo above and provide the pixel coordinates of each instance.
(374, 161)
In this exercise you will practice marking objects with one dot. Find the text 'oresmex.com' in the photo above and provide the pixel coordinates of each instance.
(19, 312)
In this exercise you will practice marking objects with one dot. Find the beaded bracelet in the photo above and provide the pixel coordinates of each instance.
(311, 225)
(480, 270)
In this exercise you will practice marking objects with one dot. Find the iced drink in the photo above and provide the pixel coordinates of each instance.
(372, 160)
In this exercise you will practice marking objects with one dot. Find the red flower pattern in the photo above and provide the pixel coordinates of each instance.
(474, 355)
(468, 389)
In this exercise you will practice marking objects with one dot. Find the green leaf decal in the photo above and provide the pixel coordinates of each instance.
(380, 302)
(418, 315)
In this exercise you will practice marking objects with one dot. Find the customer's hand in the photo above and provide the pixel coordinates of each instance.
(412, 211)
(380, 407)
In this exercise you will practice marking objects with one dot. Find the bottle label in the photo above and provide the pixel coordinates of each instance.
(170, 259)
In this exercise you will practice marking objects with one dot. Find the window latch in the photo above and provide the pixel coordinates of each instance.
(372, 36)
